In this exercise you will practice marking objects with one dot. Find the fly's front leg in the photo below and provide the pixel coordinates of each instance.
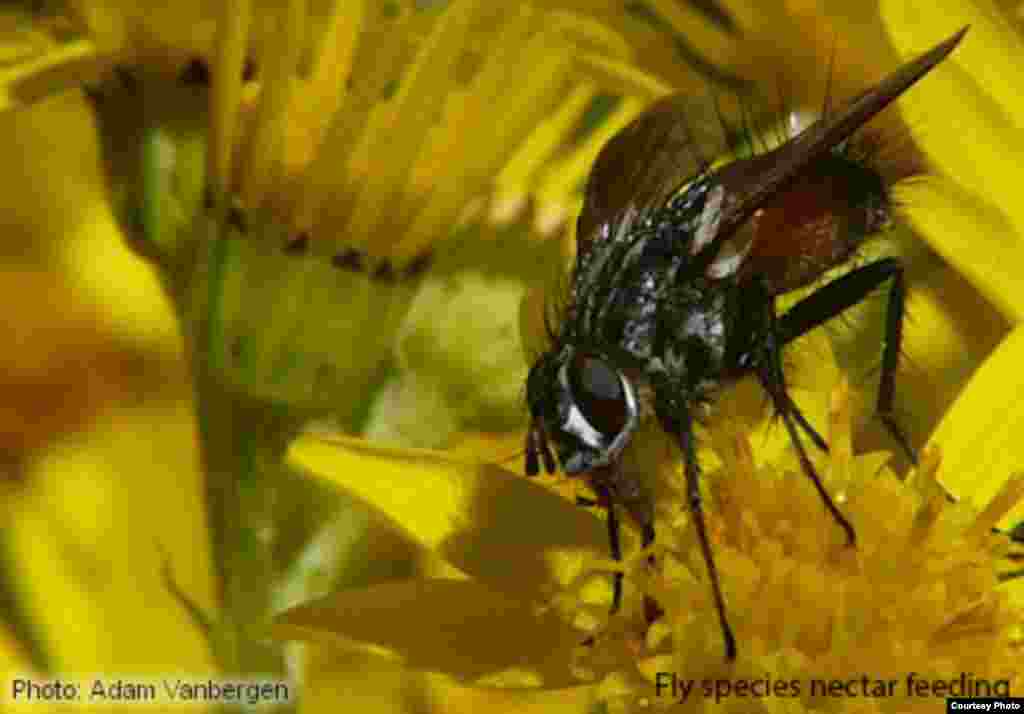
(614, 542)
(680, 424)
(640, 507)
(613, 489)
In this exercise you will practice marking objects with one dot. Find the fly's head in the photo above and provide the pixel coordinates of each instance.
(584, 405)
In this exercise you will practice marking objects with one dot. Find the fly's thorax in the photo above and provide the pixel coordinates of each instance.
(696, 325)
(620, 280)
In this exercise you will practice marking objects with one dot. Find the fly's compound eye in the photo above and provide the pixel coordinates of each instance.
(594, 412)
(598, 393)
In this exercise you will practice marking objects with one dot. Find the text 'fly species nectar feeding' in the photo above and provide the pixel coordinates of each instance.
(673, 293)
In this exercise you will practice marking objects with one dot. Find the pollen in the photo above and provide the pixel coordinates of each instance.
(920, 591)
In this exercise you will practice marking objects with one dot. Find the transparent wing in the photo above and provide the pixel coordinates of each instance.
(641, 166)
(678, 136)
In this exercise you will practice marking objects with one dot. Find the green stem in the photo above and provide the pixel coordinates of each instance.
(243, 444)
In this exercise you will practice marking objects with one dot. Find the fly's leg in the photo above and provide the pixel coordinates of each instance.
(681, 425)
(652, 611)
(604, 499)
(537, 451)
(843, 293)
(773, 380)
(801, 421)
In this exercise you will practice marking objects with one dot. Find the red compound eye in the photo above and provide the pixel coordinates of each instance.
(597, 392)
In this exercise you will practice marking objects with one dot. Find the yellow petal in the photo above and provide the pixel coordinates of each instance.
(989, 55)
(46, 391)
(56, 205)
(162, 35)
(231, 48)
(91, 548)
(357, 680)
(974, 101)
(420, 95)
(494, 525)
(948, 332)
(980, 436)
(447, 697)
(60, 69)
(458, 627)
(975, 236)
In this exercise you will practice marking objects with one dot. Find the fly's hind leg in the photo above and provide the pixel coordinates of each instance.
(773, 380)
(845, 292)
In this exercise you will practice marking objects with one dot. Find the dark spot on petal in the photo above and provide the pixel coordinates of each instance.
(351, 259)
(125, 77)
(195, 74)
(248, 70)
(93, 93)
(389, 90)
(236, 219)
(384, 272)
(420, 264)
(297, 245)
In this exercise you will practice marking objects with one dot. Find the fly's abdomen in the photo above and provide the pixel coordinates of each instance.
(816, 224)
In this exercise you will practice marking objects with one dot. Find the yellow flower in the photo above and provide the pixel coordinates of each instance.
(334, 173)
(335, 178)
(920, 593)
(922, 587)
(92, 370)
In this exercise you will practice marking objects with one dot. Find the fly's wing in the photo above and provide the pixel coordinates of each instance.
(641, 166)
(785, 176)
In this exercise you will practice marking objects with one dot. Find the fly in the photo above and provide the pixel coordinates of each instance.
(673, 294)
